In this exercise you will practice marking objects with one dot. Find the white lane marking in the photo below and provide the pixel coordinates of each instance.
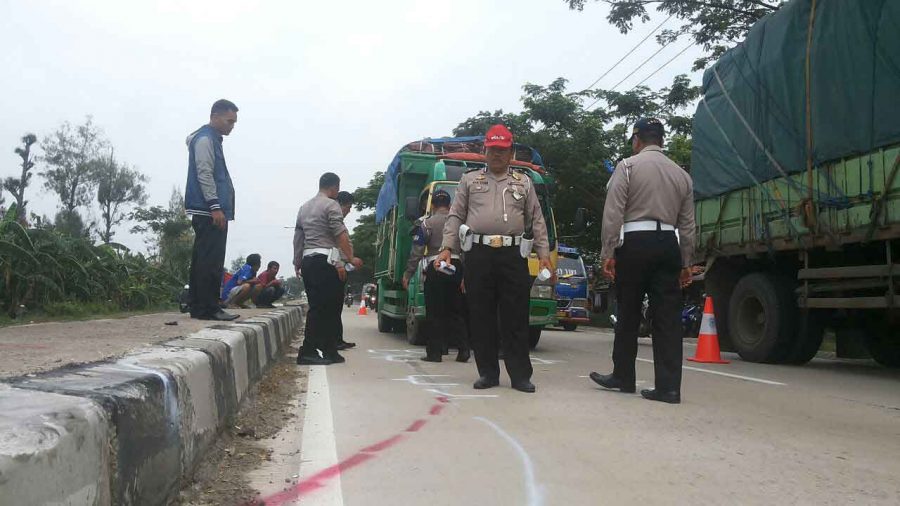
(533, 492)
(735, 376)
(318, 450)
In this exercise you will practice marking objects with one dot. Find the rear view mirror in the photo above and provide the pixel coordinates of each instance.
(412, 208)
(580, 222)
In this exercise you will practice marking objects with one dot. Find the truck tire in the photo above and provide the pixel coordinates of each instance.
(534, 335)
(569, 327)
(810, 331)
(762, 318)
(386, 324)
(415, 334)
(883, 345)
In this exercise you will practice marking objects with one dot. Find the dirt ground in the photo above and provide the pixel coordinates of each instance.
(222, 478)
(39, 347)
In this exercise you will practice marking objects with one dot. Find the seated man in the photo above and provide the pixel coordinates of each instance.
(240, 286)
(268, 288)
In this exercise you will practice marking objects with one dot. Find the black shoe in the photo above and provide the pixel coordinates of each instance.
(265, 306)
(344, 345)
(524, 386)
(220, 316)
(673, 397)
(302, 360)
(336, 358)
(463, 356)
(426, 358)
(610, 381)
(483, 382)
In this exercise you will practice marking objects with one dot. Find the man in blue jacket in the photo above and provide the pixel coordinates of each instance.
(209, 199)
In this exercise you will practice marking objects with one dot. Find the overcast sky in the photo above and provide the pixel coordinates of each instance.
(321, 86)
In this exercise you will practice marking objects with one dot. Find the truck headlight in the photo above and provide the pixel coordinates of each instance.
(541, 291)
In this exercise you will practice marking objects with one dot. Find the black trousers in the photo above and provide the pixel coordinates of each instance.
(269, 295)
(649, 263)
(498, 288)
(207, 263)
(443, 310)
(323, 288)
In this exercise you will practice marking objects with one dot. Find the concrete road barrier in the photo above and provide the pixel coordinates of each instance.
(130, 431)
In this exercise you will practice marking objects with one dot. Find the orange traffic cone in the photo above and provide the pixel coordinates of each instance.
(363, 310)
(708, 344)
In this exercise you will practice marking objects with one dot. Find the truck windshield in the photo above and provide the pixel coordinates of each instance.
(569, 267)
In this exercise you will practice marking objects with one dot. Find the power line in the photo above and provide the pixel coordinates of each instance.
(670, 60)
(629, 52)
(665, 64)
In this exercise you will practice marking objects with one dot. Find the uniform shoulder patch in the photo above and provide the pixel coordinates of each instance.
(418, 236)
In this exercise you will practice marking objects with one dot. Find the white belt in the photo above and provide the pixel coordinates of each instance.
(647, 226)
(316, 251)
(496, 241)
(432, 258)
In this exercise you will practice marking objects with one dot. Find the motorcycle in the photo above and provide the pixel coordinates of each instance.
(691, 316)
(348, 300)
(371, 301)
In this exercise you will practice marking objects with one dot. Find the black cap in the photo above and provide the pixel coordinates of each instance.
(440, 198)
(344, 198)
(648, 125)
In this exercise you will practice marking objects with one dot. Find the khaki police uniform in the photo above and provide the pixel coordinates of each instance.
(648, 198)
(498, 209)
(443, 297)
(319, 224)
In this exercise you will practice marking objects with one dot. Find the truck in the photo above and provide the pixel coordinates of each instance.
(418, 170)
(796, 147)
(571, 289)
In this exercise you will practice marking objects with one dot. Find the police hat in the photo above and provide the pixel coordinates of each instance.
(648, 125)
(440, 198)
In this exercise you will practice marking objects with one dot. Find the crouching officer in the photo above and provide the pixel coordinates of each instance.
(443, 298)
(648, 197)
(497, 206)
(319, 231)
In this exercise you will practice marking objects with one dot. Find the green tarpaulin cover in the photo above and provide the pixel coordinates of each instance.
(756, 93)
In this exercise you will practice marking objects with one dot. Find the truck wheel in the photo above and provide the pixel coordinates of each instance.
(569, 327)
(761, 318)
(415, 334)
(386, 324)
(883, 345)
(810, 331)
(534, 335)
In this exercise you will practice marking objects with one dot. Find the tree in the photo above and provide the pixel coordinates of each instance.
(70, 153)
(118, 188)
(576, 144)
(17, 186)
(237, 263)
(172, 237)
(714, 25)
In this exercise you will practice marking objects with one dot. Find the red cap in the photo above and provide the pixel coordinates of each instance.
(498, 136)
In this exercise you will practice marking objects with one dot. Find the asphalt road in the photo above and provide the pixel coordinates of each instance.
(386, 428)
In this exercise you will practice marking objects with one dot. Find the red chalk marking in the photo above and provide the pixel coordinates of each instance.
(418, 424)
(313, 483)
(387, 443)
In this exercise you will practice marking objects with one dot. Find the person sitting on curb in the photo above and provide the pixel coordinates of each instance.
(268, 288)
(240, 286)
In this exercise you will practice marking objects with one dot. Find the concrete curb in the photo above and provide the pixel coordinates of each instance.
(129, 431)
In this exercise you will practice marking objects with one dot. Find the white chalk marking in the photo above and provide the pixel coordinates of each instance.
(728, 375)
(533, 490)
(414, 379)
(544, 361)
(318, 449)
(459, 396)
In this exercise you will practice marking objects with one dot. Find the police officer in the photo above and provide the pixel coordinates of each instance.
(319, 230)
(443, 298)
(648, 198)
(498, 205)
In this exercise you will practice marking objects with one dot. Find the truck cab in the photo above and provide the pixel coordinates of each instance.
(418, 175)
(571, 289)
